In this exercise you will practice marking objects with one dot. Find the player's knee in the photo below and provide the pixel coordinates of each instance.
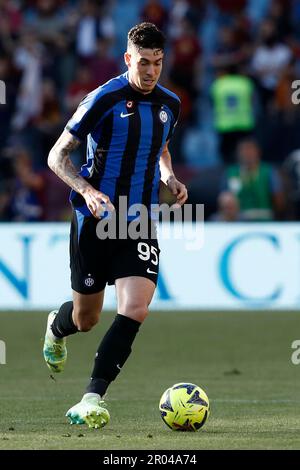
(84, 321)
(137, 312)
(85, 324)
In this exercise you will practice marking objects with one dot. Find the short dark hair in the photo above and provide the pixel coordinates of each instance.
(146, 36)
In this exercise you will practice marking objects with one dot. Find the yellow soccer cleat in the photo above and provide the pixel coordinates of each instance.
(54, 350)
(91, 410)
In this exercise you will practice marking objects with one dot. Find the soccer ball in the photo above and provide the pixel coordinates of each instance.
(184, 407)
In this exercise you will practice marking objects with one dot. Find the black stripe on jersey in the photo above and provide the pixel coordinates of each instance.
(157, 137)
(100, 156)
(95, 113)
(129, 157)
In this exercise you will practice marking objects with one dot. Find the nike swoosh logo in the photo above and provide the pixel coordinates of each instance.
(125, 115)
(151, 272)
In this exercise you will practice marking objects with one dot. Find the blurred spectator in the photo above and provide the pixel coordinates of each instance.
(50, 115)
(47, 22)
(257, 11)
(280, 14)
(49, 122)
(227, 10)
(283, 93)
(102, 65)
(230, 7)
(6, 185)
(11, 16)
(196, 12)
(88, 29)
(10, 25)
(28, 59)
(93, 24)
(269, 61)
(10, 77)
(204, 187)
(185, 60)
(291, 174)
(295, 18)
(233, 47)
(280, 131)
(191, 10)
(233, 106)
(56, 197)
(154, 12)
(178, 12)
(228, 209)
(242, 29)
(256, 184)
(5, 198)
(81, 86)
(55, 29)
(26, 204)
(84, 83)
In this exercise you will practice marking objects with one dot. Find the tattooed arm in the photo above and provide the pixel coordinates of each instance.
(60, 163)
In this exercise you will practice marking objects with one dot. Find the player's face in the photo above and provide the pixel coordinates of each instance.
(144, 68)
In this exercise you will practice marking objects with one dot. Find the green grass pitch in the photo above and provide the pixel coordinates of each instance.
(241, 359)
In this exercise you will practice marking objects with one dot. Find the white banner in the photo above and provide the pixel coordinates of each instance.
(239, 266)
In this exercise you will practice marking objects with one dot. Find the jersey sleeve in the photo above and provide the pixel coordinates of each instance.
(88, 114)
(176, 113)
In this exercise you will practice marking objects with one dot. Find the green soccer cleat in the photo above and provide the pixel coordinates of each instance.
(91, 410)
(54, 350)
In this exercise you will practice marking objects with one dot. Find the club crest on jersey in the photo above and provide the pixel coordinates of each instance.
(163, 116)
(129, 104)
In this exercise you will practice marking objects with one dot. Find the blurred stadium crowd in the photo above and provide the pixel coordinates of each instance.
(232, 62)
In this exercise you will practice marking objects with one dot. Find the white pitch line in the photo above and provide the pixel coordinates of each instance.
(112, 399)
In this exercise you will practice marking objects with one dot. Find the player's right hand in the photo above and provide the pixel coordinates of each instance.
(97, 202)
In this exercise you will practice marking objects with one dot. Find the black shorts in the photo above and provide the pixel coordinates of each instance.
(95, 262)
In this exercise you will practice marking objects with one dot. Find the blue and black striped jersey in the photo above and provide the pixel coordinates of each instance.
(126, 132)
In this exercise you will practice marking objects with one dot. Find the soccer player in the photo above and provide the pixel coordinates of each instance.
(128, 122)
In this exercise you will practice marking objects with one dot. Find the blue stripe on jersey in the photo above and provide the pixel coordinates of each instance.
(90, 151)
(155, 184)
(84, 210)
(138, 178)
(80, 220)
(115, 151)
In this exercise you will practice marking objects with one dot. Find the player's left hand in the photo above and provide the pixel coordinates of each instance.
(179, 190)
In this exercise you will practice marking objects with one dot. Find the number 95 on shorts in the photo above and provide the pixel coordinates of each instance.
(135, 258)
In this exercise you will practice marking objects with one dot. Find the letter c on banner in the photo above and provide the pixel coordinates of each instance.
(225, 268)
